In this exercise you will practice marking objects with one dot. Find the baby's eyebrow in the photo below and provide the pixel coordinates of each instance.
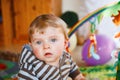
(41, 32)
(36, 39)
(53, 36)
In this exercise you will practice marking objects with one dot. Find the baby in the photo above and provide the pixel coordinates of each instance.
(46, 57)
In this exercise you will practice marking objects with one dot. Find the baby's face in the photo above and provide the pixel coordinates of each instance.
(48, 44)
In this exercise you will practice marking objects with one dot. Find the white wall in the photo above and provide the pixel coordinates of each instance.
(83, 7)
(71, 5)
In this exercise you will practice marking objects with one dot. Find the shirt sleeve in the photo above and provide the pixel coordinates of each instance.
(74, 69)
(26, 71)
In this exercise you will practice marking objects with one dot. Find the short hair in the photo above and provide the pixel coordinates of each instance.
(46, 20)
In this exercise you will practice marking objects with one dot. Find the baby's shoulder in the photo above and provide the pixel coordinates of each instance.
(68, 55)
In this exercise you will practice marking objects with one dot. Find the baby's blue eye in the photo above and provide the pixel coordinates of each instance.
(38, 42)
(53, 40)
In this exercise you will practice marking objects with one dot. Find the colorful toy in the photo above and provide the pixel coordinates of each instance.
(105, 46)
(112, 10)
(94, 49)
(117, 55)
(118, 67)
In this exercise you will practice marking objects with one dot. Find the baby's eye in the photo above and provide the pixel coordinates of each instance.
(53, 40)
(38, 42)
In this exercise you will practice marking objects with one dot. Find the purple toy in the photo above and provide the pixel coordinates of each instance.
(105, 46)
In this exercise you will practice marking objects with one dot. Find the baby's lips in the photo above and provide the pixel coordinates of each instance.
(48, 54)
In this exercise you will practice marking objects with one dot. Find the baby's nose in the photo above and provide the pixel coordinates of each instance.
(46, 45)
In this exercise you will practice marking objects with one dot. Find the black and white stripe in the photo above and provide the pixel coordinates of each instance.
(33, 69)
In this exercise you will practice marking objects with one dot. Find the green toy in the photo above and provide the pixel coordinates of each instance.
(118, 67)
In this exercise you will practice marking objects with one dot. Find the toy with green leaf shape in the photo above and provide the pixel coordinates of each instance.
(117, 56)
(118, 67)
(110, 10)
(113, 11)
(117, 64)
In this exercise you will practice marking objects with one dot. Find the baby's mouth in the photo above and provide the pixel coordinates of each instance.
(48, 54)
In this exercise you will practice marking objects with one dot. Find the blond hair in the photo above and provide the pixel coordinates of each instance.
(46, 20)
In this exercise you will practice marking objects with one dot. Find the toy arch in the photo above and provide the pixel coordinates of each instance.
(114, 7)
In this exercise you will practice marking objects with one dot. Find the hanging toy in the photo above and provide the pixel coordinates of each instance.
(116, 19)
(110, 10)
(104, 51)
(117, 35)
(92, 50)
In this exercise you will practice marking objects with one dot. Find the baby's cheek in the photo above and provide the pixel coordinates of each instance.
(60, 50)
(36, 52)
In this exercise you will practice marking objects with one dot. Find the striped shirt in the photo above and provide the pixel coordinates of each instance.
(32, 68)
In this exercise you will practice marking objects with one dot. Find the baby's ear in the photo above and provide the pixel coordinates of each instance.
(67, 45)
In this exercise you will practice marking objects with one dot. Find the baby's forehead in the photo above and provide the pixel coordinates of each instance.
(48, 30)
(47, 34)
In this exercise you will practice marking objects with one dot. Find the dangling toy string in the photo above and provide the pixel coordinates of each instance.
(93, 25)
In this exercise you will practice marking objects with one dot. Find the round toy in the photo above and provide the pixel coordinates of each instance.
(73, 42)
(105, 46)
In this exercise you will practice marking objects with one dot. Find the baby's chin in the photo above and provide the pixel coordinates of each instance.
(52, 61)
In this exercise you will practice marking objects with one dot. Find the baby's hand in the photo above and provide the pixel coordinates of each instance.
(80, 77)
